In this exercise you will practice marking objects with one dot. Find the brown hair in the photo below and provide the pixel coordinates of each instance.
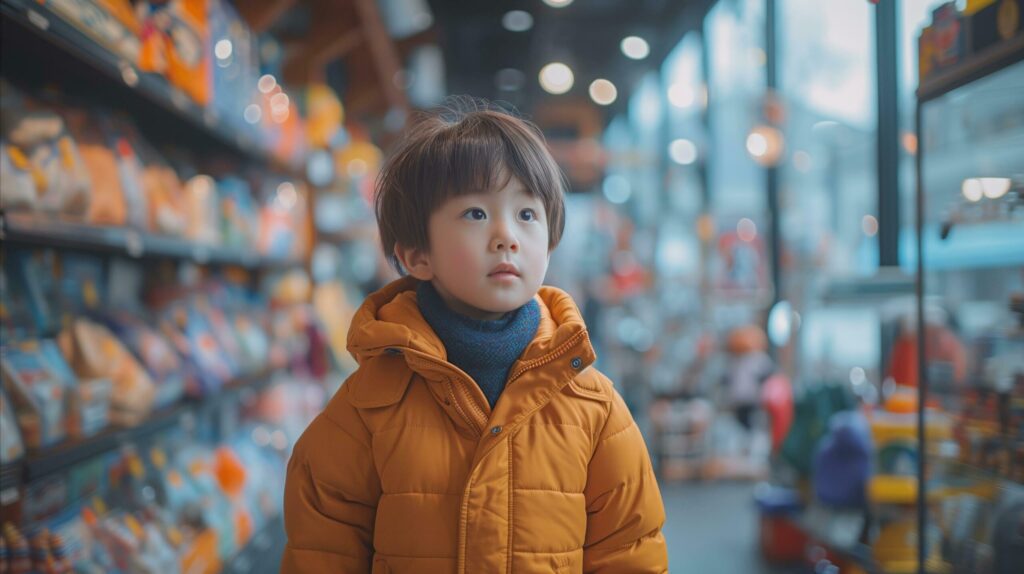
(461, 148)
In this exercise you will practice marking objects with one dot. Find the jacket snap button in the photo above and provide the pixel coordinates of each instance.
(577, 363)
(496, 430)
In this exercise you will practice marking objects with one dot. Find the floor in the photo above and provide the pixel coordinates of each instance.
(711, 528)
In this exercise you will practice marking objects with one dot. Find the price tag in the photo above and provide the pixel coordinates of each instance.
(134, 244)
(128, 73)
(9, 496)
(201, 254)
(38, 20)
(179, 99)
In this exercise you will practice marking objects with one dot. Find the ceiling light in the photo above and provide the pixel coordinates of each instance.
(267, 83)
(558, 3)
(682, 95)
(556, 78)
(517, 21)
(603, 92)
(635, 47)
(683, 151)
(222, 49)
(972, 190)
(995, 187)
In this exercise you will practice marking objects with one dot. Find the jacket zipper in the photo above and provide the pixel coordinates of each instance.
(462, 413)
(561, 350)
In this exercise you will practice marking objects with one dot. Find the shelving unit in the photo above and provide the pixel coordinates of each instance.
(49, 461)
(40, 29)
(27, 229)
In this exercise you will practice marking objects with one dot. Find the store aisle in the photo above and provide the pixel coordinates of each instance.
(712, 529)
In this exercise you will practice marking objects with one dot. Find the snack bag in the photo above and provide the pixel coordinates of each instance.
(203, 210)
(37, 141)
(94, 352)
(110, 23)
(108, 206)
(175, 43)
(11, 446)
(37, 394)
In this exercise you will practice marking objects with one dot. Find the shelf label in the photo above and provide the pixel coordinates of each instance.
(9, 496)
(128, 73)
(201, 254)
(179, 99)
(38, 20)
(133, 243)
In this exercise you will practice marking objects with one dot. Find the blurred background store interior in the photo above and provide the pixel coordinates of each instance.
(795, 230)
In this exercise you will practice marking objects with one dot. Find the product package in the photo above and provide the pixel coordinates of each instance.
(174, 34)
(94, 352)
(203, 210)
(108, 205)
(110, 23)
(37, 142)
(156, 354)
(239, 216)
(88, 400)
(11, 446)
(37, 394)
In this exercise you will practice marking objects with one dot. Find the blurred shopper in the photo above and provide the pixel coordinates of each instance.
(749, 366)
(475, 436)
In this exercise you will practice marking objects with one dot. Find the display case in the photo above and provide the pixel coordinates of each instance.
(969, 371)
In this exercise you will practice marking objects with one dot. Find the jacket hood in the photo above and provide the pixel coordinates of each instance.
(389, 321)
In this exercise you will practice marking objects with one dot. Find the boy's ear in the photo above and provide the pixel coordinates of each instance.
(415, 261)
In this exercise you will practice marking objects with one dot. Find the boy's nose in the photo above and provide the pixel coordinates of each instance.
(502, 243)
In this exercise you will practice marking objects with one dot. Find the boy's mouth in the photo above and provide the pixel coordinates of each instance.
(504, 270)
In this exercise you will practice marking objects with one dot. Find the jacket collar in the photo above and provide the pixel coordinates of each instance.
(389, 322)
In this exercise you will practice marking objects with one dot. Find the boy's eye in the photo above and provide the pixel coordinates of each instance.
(528, 215)
(476, 214)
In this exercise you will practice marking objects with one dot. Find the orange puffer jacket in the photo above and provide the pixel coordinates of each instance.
(409, 470)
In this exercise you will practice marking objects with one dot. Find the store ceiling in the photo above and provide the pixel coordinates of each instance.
(585, 35)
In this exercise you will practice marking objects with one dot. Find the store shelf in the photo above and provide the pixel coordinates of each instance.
(972, 68)
(66, 455)
(263, 553)
(29, 229)
(150, 92)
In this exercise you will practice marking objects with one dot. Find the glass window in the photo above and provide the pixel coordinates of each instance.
(914, 16)
(828, 183)
(828, 190)
(735, 31)
(739, 261)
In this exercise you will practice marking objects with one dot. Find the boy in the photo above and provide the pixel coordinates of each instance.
(474, 437)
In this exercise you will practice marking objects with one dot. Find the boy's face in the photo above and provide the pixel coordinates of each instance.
(488, 251)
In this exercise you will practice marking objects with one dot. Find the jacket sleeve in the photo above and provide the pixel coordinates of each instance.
(331, 494)
(624, 508)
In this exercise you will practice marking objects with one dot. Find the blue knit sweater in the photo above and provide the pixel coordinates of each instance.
(485, 350)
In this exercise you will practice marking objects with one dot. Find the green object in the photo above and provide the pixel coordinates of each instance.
(812, 411)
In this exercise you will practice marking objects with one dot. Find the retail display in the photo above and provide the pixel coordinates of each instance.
(159, 349)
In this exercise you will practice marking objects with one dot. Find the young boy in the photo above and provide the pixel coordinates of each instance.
(475, 437)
